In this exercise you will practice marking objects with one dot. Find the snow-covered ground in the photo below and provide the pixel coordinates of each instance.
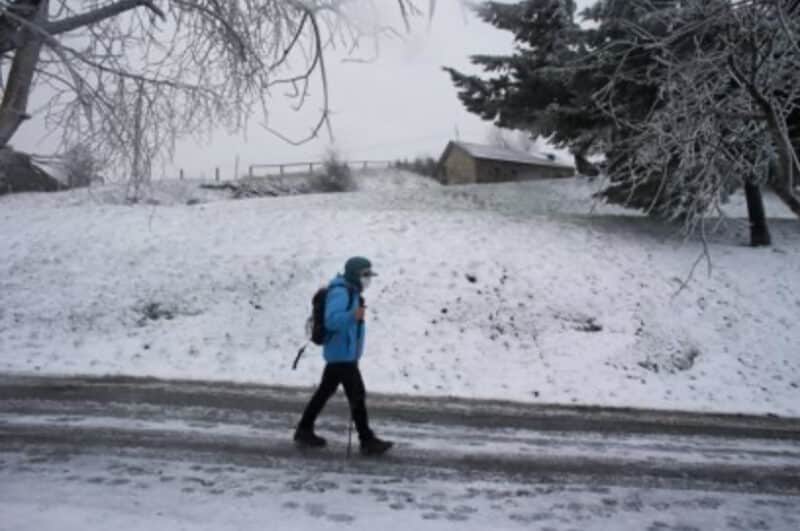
(506, 291)
(51, 491)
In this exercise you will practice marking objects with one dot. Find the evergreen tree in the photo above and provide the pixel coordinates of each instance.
(661, 88)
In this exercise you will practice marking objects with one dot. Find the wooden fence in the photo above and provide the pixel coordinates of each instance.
(274, 170)
(255, 170)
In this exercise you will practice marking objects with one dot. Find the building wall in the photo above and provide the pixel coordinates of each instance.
(491, 171)
(460, 167)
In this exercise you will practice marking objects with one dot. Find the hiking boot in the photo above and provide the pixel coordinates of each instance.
(375, 446)
(308, 439)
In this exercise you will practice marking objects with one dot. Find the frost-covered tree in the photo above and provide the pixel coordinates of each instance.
(721, 118)
(688, 100)
(80, 166)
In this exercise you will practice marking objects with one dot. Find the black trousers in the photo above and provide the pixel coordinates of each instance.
(349, 376)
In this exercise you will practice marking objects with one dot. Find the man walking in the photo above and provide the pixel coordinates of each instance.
(344, 344)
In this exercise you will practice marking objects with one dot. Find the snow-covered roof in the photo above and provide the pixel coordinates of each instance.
(480, 151)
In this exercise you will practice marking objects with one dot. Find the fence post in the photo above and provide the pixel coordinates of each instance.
(181, 174)
(281, 170)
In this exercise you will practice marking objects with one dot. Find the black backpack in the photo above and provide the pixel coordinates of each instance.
(315, 324)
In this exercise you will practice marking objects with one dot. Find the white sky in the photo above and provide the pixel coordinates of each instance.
(400, 105)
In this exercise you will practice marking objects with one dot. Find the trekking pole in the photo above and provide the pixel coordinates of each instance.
(349, 437)
(299, 353)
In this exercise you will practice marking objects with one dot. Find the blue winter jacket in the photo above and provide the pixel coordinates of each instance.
(345, 341)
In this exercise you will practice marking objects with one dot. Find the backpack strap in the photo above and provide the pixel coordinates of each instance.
(350, 294)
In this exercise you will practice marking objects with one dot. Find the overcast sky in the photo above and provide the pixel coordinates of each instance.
(400, 105)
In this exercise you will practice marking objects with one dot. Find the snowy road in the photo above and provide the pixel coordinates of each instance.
(144, 454)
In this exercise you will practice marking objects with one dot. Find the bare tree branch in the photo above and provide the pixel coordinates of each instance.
(115, 79)
(100, 14)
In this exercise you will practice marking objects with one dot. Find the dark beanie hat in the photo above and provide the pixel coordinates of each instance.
(353, 269)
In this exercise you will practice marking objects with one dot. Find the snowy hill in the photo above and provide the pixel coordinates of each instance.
(506, 291)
